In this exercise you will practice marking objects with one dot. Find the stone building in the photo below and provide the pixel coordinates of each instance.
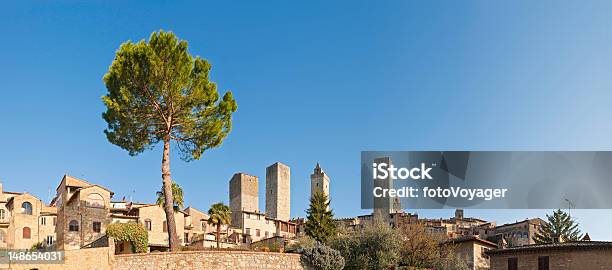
(278, 191)
(243, 196)
(556, 256)
(473, 251)
(249, 224)
(83, 212)
(25, 221)
(319, 181)
(383, 206)
(514, 234)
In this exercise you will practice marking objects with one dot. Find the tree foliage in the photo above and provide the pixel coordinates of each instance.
(558, 225)
(420, 248)
(320, 224)
(177, 196)
(322, 257)
(158, 92)
(135, 233)
(377, 246)
(219, 215)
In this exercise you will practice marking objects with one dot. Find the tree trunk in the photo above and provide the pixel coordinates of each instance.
(169, 205)
(218, 234)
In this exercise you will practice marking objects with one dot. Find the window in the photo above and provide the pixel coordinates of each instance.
(73, 226)
(267, 234)
(43, 221)
(95, 200)
(203, 225)
(2, 214)
(54, 221)
(148, 224)
(26, 233)
(512, 263)
(248, 216)
(165, 226)
(49, 240)
(97, 226)
(248, 231)
(26, 208)
(543, 263)
(257, 233)
(186, 238)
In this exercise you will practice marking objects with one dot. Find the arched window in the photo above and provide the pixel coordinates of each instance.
(26, 233)
(26, 208)
(95, 200)
(204, 223)
(148, 224)
(73, 226)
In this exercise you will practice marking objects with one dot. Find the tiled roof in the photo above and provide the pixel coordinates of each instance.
(555, 246)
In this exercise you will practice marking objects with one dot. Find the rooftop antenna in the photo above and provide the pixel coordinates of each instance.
(570, 204)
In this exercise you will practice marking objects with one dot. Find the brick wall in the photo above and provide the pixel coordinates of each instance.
(234, 260)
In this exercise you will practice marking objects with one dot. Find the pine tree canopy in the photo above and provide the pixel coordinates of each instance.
(320, 224)
(158, 92)
(559, 225)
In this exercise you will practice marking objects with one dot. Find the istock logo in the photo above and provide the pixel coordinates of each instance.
(383, 171)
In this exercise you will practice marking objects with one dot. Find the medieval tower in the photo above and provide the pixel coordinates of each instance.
(278, 184)
(243, 196)
(319, 182)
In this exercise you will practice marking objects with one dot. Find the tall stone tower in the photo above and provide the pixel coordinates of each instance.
(278, 196)
(243, 196)
(319, 181)
(385, 206)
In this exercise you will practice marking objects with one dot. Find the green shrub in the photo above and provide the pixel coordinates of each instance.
(322, 257)
(377, 246)
(134, 233)
(301, 244)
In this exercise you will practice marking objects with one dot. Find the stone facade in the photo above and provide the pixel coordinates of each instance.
(319, 181)
(25, 221)
(559, 256)
(230, 260)
(243, 196)
(278, 191)
(83, 213)
(473, 250)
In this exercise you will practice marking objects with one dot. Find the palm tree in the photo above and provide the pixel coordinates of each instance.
(177, 196)
(219, 215)
(560, 226)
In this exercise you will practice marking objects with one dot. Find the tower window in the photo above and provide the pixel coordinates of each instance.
(26, 208)
(73, 226)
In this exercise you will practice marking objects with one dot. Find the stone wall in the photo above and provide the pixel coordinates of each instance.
(558, 260)
(234, 260)
(90, 258)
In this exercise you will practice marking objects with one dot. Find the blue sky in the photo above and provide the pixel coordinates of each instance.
(314, 81)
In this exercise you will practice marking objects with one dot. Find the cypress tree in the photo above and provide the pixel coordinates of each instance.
(320, 224)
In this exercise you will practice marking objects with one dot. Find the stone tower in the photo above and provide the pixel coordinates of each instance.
(385, 205)
(319, 182)
(243, 196)
(278, 195)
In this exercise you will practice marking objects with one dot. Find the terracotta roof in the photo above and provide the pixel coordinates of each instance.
(471, 238)
(584, 245)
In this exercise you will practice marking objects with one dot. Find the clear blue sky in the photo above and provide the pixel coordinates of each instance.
(314, 81)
